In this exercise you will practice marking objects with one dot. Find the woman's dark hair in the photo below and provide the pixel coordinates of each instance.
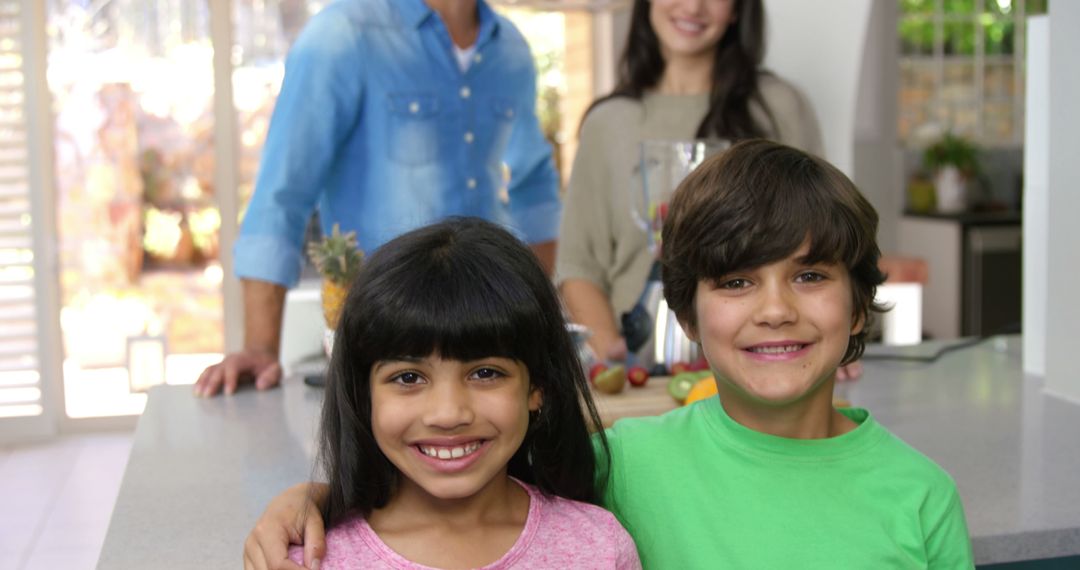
(736, 64)
(464, 289)
(756, 203)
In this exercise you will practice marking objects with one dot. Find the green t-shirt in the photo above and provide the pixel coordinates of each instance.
(698, 490)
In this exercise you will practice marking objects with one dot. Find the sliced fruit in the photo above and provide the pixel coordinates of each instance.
(637, 376)
(680, 384)
(704, 388)
(596, 369)
(612, 380)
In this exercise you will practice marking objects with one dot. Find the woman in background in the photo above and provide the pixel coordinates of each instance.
(691, 70)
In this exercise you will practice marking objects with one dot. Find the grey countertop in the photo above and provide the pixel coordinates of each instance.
(970, 218)
(201, 471)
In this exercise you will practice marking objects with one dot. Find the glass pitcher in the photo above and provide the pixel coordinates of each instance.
(650, 328)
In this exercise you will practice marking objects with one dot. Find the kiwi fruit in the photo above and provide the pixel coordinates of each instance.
(680, 384)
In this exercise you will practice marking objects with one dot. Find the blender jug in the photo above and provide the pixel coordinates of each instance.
(651, 330)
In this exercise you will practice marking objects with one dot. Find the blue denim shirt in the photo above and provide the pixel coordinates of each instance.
(377, 126)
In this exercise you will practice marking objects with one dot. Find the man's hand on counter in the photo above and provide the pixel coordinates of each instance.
(264, 305)
(260, 366)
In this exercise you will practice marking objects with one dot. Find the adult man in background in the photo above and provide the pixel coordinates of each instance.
(392, 114)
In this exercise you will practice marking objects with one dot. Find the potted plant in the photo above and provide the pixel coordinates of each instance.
(338, 259)
(954, 162)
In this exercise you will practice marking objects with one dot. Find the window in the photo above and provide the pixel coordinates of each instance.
(565, 85)
(962, 69)
(20, 380)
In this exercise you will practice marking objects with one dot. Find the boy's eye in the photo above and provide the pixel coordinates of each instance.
(810, 277)
(737, 283)
(407, 379)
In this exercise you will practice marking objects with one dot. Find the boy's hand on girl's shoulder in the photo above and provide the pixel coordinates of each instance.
(849, 372)
(291, 518)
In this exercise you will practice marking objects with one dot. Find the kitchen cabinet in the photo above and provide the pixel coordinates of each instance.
(974, 270)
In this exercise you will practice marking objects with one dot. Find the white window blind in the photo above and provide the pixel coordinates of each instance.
(20, 382)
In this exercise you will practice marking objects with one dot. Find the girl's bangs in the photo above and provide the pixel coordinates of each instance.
(461, 315)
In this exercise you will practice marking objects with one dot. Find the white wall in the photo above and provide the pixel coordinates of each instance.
(878, 157)
(1063, 268)
(819, 47)
(842, 54)
(1036, 190)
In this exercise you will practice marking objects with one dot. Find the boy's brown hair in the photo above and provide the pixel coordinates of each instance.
(755, 204)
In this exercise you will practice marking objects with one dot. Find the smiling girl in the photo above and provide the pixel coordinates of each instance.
(455, 428)
(770, 263)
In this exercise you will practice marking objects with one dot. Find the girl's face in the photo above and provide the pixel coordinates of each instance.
(450, 427)
(690, 29)
(775, 335)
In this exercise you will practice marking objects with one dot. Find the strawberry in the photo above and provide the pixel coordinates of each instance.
(699, 364)
(637, 376)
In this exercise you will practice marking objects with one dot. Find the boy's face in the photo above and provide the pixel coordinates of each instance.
(775, 335)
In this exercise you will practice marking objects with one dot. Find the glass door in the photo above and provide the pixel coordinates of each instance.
(140, 282)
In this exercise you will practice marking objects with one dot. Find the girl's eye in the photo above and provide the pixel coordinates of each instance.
(810, 277)
(407, 379)
(487, 374)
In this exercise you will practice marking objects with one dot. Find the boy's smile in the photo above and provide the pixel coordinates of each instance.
(774, 335)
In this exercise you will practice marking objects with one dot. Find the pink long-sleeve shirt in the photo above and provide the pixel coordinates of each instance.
(558, 533)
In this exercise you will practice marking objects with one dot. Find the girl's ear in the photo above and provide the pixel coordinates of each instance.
(536, 399)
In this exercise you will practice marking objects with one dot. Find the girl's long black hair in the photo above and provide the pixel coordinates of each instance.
(736, 69)
(465, 289)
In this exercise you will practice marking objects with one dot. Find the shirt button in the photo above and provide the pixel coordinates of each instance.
(471, 183)
(477, 58)
(465, 92)
(414, 107)
(468, 137)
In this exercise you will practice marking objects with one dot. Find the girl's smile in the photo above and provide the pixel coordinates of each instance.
(451, 458)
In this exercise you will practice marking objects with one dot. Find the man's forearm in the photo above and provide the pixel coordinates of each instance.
(264, 304)
(545, 252)
(589, 306)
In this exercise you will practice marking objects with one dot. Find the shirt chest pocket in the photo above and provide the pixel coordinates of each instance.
(502, 114)
(413, 137)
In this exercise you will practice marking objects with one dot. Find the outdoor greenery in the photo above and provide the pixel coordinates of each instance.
(960, 25)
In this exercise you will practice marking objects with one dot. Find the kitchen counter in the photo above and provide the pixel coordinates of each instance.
(972, 218)
(201, 471)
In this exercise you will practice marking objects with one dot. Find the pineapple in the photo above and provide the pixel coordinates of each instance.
(338, 259)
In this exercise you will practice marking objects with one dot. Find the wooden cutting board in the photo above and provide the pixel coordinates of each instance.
(652, 399)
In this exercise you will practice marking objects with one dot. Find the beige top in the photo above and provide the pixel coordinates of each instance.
(598, 239)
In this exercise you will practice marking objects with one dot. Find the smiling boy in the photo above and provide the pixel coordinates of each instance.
(770, 262)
